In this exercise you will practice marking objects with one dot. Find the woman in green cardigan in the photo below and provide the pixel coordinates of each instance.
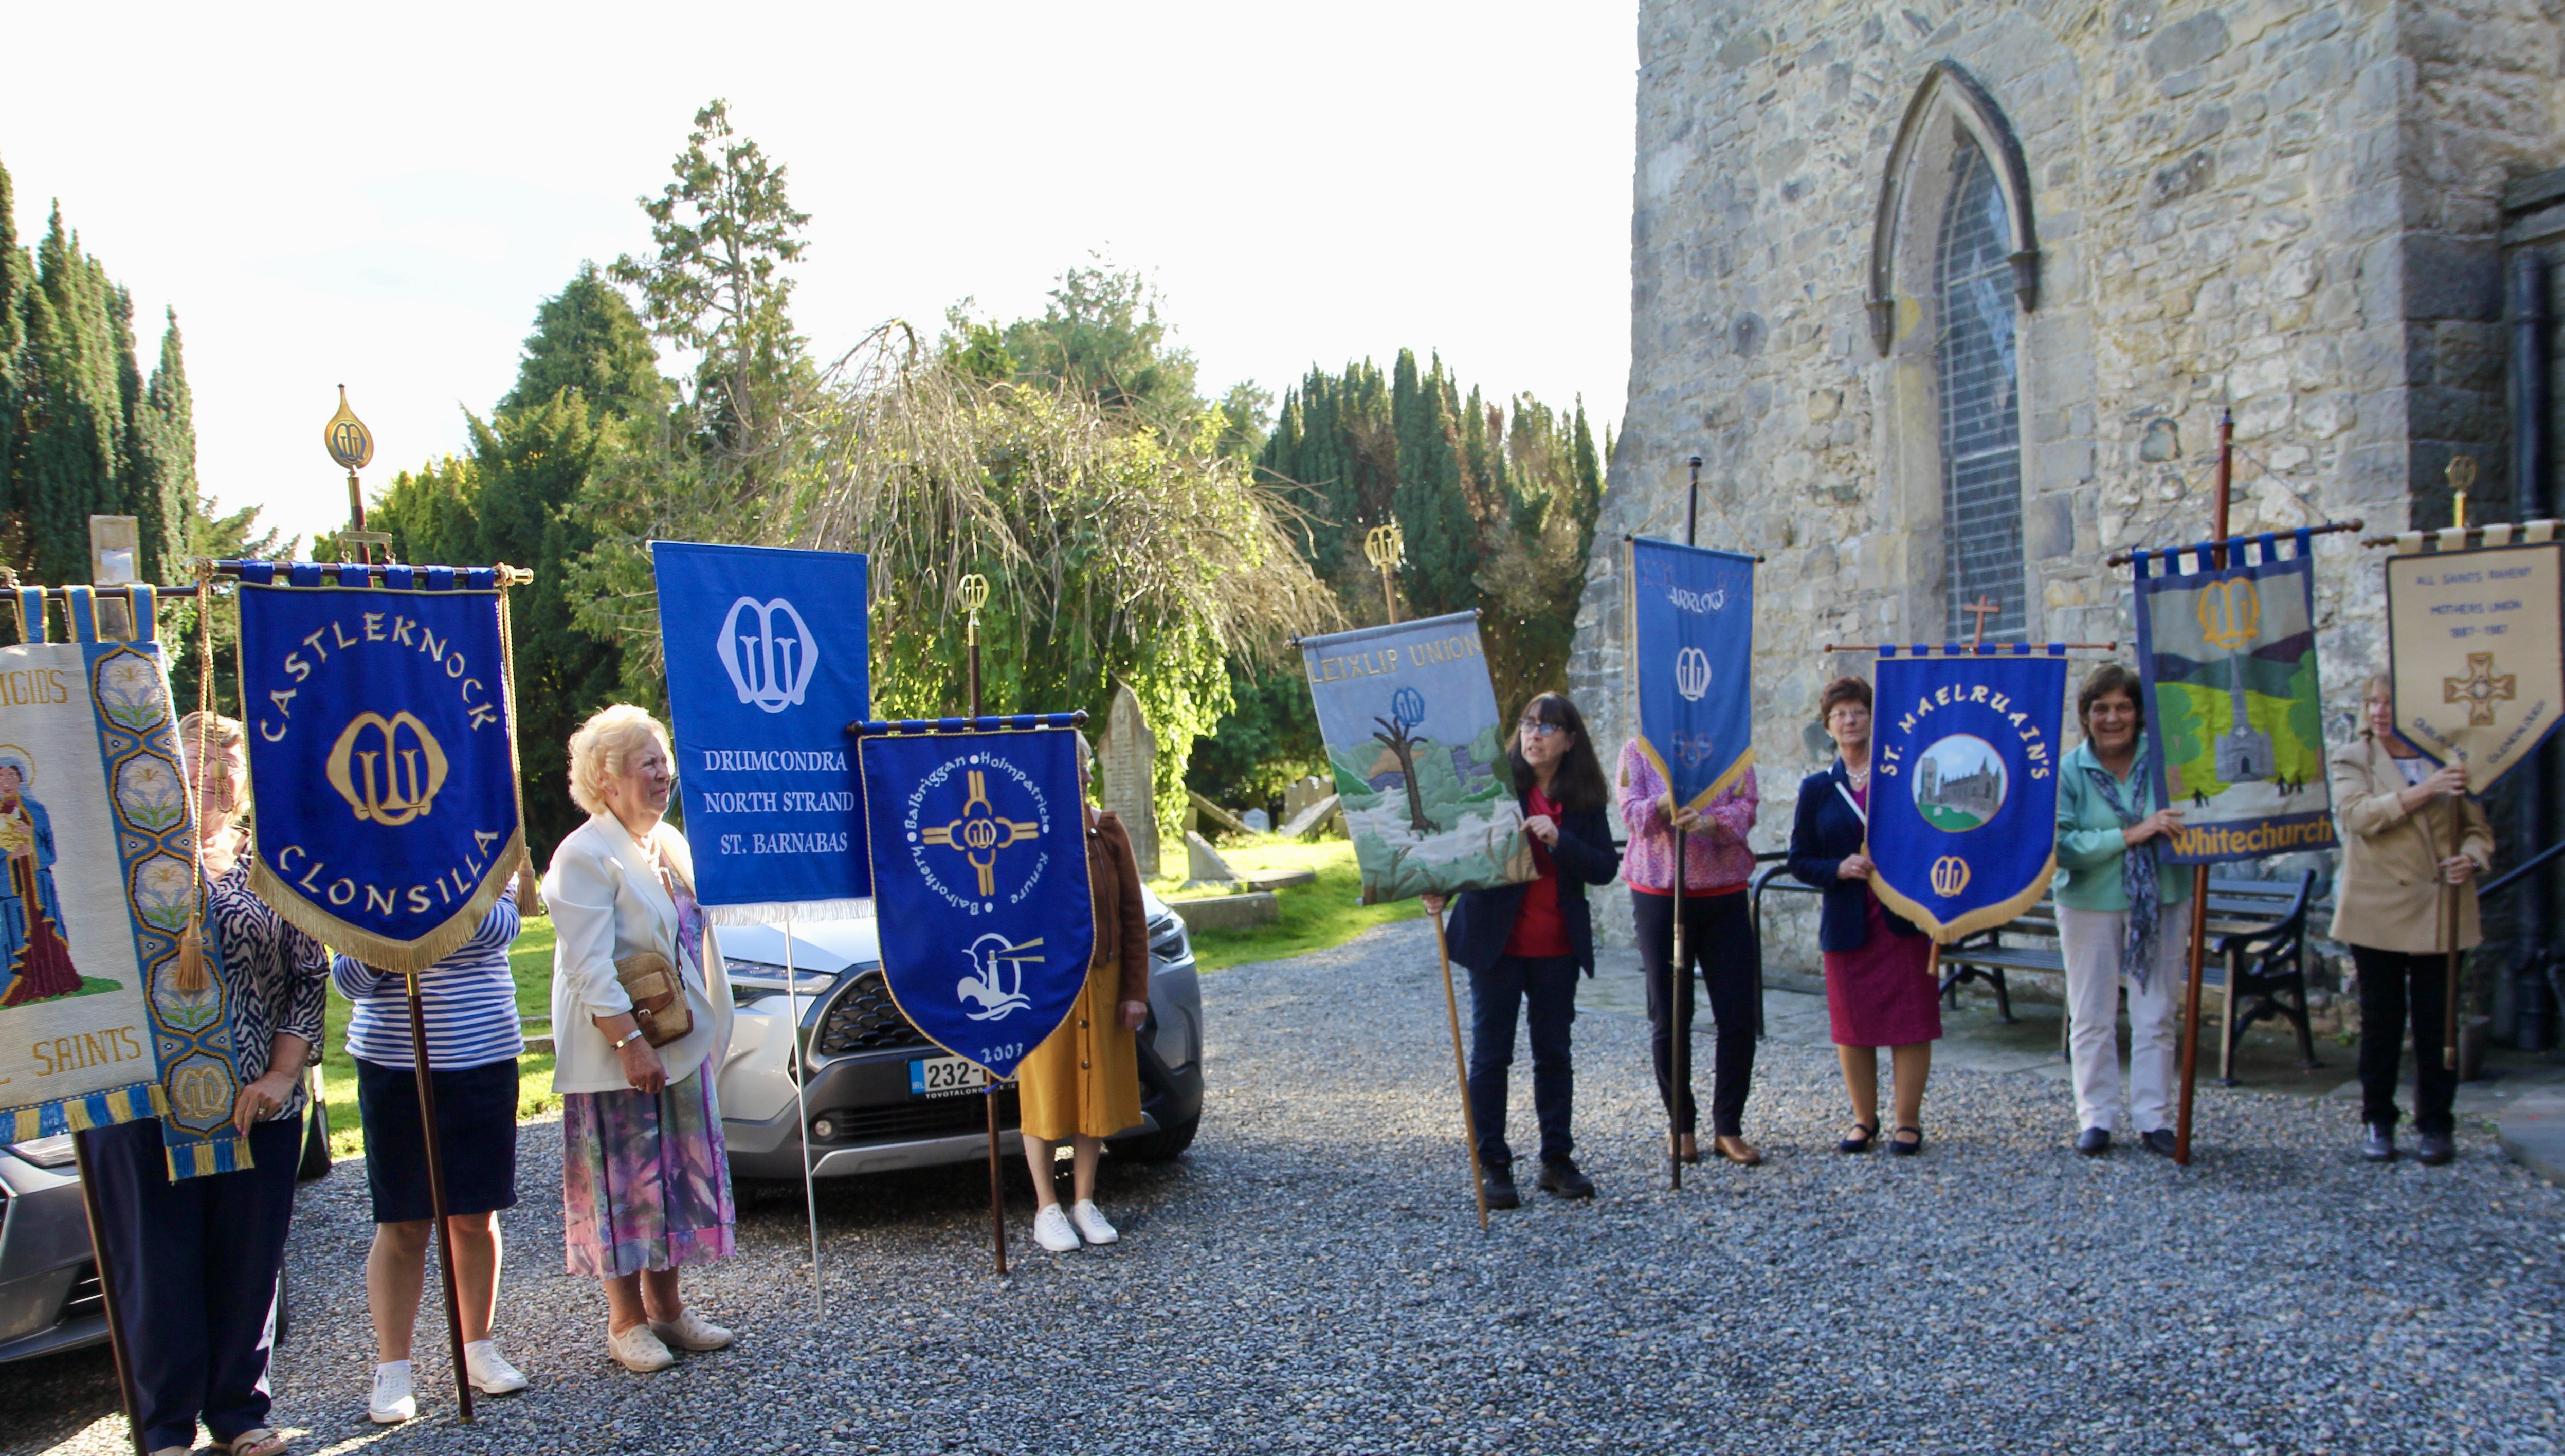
(2116, 919)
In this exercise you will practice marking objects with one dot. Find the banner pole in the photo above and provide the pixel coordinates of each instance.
(2459, 481)
(801, 1109)
(422, 1075)
(2199, 873)
(974, 595)
(1678, 1022)
(106, 1292)
(1461, 1068)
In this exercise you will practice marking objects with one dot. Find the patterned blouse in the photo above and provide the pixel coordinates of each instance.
(276, 977)
(1715, 861)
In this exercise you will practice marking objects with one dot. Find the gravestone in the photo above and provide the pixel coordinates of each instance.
(1204, 868)
(1302, 794)
(1128, 753)
(1258, 822)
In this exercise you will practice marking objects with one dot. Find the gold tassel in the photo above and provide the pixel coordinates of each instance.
(191, 955)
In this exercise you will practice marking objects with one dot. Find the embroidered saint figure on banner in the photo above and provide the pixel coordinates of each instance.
(38, 960)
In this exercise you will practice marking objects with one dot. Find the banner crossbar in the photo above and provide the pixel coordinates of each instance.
(929, 727)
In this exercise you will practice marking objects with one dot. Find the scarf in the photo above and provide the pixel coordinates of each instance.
(2137, 881)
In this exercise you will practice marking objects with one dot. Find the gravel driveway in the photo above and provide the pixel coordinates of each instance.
(1311, 1278)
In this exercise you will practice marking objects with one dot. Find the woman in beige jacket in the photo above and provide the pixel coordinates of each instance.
(2407, 830)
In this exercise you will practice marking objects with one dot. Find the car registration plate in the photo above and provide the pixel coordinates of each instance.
(945, 1077)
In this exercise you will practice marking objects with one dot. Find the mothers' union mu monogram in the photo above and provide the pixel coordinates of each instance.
(389, 770)
(766, 649)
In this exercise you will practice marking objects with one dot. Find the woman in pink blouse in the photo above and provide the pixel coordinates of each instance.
(1719, 940)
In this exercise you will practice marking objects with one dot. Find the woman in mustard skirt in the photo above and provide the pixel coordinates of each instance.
(1082, 1083)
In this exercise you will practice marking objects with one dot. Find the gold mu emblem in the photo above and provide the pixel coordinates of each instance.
(981, 832)
(2230, 614)
(389, 770)
(1950, 876)
(2480, 689)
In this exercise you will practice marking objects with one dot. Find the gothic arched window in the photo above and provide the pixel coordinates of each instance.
(1980, 378)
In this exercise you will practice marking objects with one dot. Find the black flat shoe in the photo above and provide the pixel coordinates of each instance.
(1902, 1147)
(2376, 1141)
(2094, 1142)
(2162, 1141)
(2431, 1150)
(1498, 1180)
(1869, 1136)
(1560, 1176)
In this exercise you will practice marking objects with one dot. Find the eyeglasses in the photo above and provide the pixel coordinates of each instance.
(1534, 728)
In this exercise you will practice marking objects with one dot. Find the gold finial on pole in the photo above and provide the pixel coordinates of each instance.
(351, 445)
(974, 591)
(1385, 547)
(2462, 479)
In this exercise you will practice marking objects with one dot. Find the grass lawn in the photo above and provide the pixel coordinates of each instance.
(530, 960)
(1314, 916)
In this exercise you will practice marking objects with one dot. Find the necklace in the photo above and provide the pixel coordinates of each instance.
(1860, 777)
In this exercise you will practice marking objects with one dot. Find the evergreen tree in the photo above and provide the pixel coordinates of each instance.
(164, 488)
(587, 338)
(15, 283)
(1103, 335)
(73, 459)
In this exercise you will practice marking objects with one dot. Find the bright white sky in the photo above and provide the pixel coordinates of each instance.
(380, 196)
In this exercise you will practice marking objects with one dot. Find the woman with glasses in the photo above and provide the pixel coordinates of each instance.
(1879, 967)
(1524, 944)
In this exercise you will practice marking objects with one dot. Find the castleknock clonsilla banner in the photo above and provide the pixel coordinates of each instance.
(96, 839)
(1411, 727)
(384, 752)
(2235, 723)
(1692, 657)
(769, 659)
(979, 844)
(1964, 782)
(2473, 637)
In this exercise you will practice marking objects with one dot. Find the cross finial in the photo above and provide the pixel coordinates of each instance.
(1983, 607)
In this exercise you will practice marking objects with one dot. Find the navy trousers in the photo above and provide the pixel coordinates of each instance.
(1546, 986)
(1719, 940)
(195, 1264)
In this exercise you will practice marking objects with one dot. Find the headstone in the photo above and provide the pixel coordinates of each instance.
(1219, 817)
(1204, 868)
(1258, 822)
(1129, 755)
(1302, 794)
(1312, 819)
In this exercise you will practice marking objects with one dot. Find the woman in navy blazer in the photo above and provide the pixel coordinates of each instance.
(1524, 944)
(1879, 990)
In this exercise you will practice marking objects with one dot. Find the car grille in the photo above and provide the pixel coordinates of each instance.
(942, 1117)
(865, 1019)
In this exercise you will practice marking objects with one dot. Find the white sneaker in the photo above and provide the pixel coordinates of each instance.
(639, 1351)
(391, 1403)
(691, 1330)
(1052, 1230)
(490, 1372)
(1090, 1223)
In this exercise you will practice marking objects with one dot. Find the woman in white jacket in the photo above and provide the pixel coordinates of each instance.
(645, 1181)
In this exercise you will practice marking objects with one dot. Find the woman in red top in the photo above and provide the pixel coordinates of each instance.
(1524, 944)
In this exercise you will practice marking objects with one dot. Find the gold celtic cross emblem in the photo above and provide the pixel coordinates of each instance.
(2480, 689)
(981, 832)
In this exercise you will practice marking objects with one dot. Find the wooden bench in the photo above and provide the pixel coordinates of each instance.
(2256, 955)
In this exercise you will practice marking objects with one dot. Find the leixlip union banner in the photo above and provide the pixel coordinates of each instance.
(978, 842)
(382, 741)
(97, 832)
(2473, 640)
(2234, 721)
(1692, 631)
(1412, 732)
(769, 659)
(1963, 783)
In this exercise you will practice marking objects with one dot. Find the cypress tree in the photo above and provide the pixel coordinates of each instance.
(164, 489)
(73, 456)
(14, 284)
(587, 338)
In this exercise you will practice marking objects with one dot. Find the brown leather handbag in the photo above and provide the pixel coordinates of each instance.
(658, 997)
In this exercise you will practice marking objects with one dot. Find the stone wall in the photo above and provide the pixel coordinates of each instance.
(2279, 206)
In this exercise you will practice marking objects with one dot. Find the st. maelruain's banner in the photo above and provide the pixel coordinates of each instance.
(1963, 757)
(979, 844)
(96, 837)
(2475, 646)
(1692, 657)
(383, 747)
(1412, 731)
(769, 659)
(2235, 723)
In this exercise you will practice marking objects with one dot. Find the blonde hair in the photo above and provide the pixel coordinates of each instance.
(602, 746)
(211, 730)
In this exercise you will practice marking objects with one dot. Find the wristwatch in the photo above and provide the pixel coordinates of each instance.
(628, 1039)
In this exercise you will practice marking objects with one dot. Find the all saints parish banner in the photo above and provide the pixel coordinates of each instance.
(97, 835)
(768, 661)
(2473, 637)
(1419, 752)
(2234, 718)
(1964, 756)
(1692, 657)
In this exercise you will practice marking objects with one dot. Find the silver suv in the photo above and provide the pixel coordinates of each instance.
(880, 1095)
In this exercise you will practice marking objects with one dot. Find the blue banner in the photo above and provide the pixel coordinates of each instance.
(382, 752)
(2226, 658)
(1963, 757)
(979, 841)
(768, 661)
(1419, 752)
(1692, 661)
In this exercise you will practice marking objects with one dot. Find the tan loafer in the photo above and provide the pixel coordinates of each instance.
(1738, 1150)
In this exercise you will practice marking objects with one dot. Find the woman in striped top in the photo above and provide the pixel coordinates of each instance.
(473, 1040)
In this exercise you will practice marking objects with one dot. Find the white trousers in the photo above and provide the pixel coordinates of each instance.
(2092, 941)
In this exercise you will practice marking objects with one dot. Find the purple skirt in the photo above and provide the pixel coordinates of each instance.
(645, 1180)
(1883, 995)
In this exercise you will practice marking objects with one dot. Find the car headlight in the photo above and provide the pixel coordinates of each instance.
(756, 980)
(46, 1153)
(1168, 941)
